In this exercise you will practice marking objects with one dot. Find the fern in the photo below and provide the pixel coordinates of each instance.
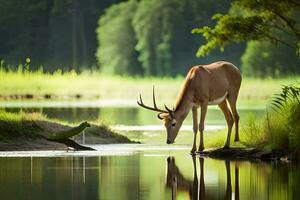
(288, 94)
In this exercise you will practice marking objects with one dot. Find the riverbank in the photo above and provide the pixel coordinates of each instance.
(235, 153)
(33, 131)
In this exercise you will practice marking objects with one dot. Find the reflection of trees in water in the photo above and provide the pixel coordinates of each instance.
(196, 188)
(64, 114)
(114, 115)
(48, 178)
(119, 177)
(119, 115)
(78, 114)
(72, 114)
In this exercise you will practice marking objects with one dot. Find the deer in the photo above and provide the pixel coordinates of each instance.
(217, 83)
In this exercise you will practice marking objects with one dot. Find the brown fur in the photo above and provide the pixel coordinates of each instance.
(216, 83)
(205, 84)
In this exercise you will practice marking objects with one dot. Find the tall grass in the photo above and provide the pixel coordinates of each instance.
(280, 130)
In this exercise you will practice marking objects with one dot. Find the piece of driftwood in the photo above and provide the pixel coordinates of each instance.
(63, 136)
(68, 133)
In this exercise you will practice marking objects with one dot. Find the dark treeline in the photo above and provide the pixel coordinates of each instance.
(153, 37)
(53, 33)
(146, 37)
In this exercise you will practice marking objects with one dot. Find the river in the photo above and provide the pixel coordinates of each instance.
(152, 170)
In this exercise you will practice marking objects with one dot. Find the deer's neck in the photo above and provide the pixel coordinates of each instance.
(184, 101)
(184, 107)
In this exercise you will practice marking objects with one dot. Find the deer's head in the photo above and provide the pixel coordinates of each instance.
(171, 121)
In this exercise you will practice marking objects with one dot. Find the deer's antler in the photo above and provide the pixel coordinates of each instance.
(154, 108)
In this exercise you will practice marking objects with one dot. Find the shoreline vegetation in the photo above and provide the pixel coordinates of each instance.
(275, 137)
(33, 131)
(89, 85)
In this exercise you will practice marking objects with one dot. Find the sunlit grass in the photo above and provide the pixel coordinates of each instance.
(13, 124)
(216, 139)
(20, 116)
(91, 85)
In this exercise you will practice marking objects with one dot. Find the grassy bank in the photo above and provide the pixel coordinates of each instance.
(34, 131)
(277, 133)
(88, 85)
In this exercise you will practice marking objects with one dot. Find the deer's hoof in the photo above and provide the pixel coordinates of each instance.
(200, 149)
(201, 153)
(193, 152)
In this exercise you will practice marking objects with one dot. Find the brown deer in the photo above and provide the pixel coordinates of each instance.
(215, 84)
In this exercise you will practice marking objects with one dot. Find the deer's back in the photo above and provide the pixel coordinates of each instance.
(214, 80)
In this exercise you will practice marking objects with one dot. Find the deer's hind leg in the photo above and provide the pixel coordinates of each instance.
(225, 109)
(232, 98)
(195, 129)
(201, 125)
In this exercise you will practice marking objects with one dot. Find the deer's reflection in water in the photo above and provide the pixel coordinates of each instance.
(195, 188)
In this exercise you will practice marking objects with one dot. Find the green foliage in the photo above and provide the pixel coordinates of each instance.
(287, 104)
(280, 130)
(116, 53)
(161, 38)
(154, 24)
(263, 58)
(289, 94)
(228, 29)
(252, 132)
(252, 20)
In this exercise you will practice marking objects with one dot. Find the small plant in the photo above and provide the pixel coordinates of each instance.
(288, 94)
(285, 128)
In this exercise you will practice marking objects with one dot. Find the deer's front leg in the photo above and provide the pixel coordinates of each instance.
(195, 129)
(201, 126)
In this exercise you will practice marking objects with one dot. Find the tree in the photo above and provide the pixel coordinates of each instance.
(23, 30)
(116, 53)
(53, 33)
(258, 20)
(153, 24)
(72, 40)
(266, 59)
(165, 43)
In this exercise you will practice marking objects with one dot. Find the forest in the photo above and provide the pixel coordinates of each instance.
(150, 37)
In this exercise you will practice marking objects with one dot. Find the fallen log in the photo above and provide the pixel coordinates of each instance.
(62, 135)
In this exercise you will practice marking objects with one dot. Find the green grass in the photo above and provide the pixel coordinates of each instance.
(279, 130)
(16, 124)
(20, 116)
(89, 85)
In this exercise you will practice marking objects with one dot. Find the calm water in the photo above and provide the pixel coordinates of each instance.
(128, 116)
(141, 171)
(144, 172)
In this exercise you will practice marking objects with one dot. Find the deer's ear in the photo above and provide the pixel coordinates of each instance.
(162, 116)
